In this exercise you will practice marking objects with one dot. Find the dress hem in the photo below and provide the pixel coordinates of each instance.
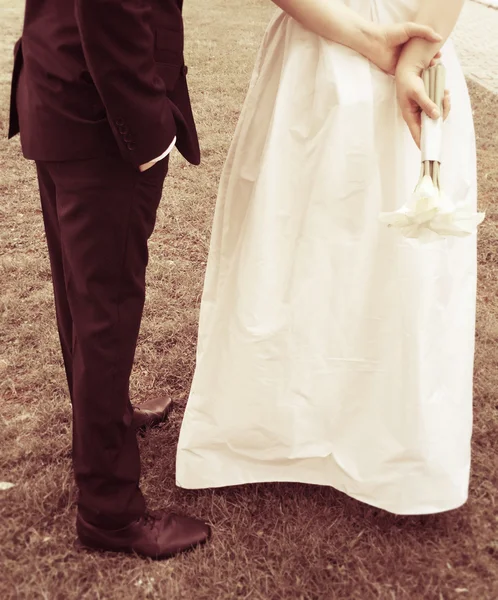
(399, 512)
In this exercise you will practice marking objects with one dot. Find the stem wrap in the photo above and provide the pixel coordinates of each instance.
(431, 143)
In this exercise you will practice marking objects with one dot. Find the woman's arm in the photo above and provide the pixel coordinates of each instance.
(416, 56)
(333, 20)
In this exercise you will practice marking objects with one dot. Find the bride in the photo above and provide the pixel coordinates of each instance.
(331, 350)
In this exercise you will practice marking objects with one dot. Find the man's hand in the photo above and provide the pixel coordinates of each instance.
(390, 39)
(413, 99)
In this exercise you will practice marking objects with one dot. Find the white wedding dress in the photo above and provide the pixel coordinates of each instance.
(332, 350)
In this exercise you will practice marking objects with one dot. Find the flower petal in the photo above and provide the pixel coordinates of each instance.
(430, 214)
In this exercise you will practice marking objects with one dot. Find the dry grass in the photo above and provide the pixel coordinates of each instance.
(271, 542)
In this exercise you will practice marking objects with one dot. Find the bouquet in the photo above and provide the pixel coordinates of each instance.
(429, 214)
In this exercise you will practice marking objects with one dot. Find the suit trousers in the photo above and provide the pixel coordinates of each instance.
(98, 216)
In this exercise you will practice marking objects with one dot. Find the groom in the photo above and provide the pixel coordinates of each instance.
(100, 98)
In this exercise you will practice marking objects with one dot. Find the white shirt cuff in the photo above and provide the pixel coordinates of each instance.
(164, 154)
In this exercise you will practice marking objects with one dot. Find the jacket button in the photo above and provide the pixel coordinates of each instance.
(119, 122)
(128, 138)
(123, 129)
(131, 146)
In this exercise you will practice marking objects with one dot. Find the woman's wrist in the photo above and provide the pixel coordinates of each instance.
(368, 39)
(417, 55)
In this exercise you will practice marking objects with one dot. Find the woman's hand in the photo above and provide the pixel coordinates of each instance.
(413, 99)
(389, 40)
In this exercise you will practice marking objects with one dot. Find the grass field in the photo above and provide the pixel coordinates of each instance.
(271, 542)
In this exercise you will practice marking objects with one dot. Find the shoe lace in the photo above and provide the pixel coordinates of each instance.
(150, 519)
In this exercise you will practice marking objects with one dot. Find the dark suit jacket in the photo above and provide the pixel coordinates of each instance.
(93, 77)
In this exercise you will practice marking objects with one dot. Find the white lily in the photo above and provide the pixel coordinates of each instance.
(455, 222)
(419, 210)
(430, 215)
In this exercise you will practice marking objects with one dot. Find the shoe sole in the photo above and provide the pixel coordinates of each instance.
(79, 546)
(82, 547)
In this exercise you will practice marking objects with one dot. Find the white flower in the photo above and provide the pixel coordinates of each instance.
(429, 215)
(412, 219)
(455, 222)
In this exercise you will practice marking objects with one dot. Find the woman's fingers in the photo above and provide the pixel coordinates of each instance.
(413, 100)
(422, 31)
(419, 95)
(435, 60)
(399, 34)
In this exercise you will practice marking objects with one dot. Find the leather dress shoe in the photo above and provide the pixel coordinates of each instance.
(152, 412)
(157, 535)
